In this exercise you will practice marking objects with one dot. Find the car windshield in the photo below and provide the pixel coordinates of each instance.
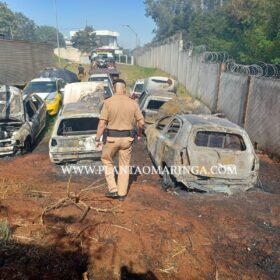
(139, 87)
(220, 140)
(78, 126)
(155, 104)
(98, 79)
(10, 106)
(42, 86)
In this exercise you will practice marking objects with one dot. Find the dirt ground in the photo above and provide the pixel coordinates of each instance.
(151, 235)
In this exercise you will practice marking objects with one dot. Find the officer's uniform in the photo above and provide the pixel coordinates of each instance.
(120, 112)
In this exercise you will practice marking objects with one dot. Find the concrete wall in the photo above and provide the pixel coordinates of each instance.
(232, 97)
(21, 60)
(71, 54)
(253, 103)
(262, 120)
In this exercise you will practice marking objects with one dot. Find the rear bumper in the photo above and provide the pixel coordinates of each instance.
(74, 156)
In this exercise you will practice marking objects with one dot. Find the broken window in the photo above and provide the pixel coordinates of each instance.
(155, 104)
(173, 129)
(162, 123)
(78, 126)
(30, 110)
(220, 140)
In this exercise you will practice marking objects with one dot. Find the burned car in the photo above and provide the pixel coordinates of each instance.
(151, 103)
(73, 137)
(21, 120)
(202, 152)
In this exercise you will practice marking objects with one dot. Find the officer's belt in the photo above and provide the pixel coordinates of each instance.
(119, 133)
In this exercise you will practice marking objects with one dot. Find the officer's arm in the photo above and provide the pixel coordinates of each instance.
(100, 129)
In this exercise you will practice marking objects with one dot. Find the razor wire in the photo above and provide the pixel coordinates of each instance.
(214, 57)
(260, 69)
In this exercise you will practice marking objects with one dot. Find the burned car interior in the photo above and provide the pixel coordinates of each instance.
(77, 126)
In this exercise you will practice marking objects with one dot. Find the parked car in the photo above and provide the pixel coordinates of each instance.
(50, 90)
(160, 83)
(100, 77)
(137, 88)
(22, 118)
(214, 153)
(74, 132)
(105, 79)
(58, 73)
(151, 102)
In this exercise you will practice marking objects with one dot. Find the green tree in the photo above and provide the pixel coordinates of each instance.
(47, 34)
(249, 30)
(25, 28)
(85, 40)
(7, 18)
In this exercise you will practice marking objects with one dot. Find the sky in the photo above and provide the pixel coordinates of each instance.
(101, 14)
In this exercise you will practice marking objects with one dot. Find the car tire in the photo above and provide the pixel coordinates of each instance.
(27, 148)
(168, 182)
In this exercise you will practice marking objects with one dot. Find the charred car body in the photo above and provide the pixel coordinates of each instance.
(203, 152)
(74, 132)
(151, 101)
(21, 120)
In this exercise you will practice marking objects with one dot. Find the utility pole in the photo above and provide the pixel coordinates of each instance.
(134, 32)
(57, 33)
(11, 31)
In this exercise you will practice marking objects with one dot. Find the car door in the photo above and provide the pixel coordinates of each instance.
(33, 118)
(168, 147)
(40, 106)
(155, 135)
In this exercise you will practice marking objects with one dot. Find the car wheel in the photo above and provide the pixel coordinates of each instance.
(168, 182)
(27, 148)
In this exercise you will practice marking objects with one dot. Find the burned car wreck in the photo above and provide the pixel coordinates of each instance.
(202, 152)
(73, 137)
(21, 120)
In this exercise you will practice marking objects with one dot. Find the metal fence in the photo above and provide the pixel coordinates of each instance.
(21, 60)
(124, 59)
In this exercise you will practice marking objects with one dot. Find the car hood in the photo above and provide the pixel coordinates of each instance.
(43, 95)
(11, 103)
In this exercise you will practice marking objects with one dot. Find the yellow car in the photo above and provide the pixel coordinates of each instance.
(50, 90)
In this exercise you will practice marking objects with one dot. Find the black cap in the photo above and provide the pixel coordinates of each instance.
(119, 81)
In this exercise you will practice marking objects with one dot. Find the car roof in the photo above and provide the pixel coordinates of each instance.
(44, 79)
(99, 75)
(208, 120)
(80, 108)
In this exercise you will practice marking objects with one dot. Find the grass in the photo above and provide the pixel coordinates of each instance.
(5, 231)
(130, 73)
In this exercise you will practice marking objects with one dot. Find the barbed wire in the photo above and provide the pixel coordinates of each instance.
(260, 69)
(215, 57)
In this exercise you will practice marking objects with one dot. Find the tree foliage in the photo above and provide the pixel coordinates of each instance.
(249, 30)
(47, 34)
(85, 40)
(18, 26)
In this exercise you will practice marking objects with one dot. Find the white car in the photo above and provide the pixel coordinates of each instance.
(74, 132)
(203, 152)
(107, 82)
(137, 88)
(51, 90)
(22, 119)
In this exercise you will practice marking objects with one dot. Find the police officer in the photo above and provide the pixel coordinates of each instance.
(118, 115)
(81, 72)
